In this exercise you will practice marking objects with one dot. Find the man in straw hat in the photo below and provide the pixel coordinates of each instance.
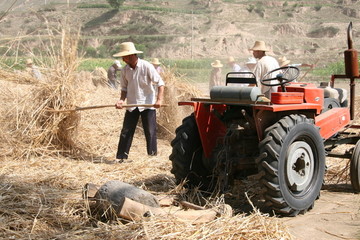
(264, 65)
(215, 76)
(157, 65)
(139, 84)
(112, 74)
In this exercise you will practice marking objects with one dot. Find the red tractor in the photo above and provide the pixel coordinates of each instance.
(237, 132)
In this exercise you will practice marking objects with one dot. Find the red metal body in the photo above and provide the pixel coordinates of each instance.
(332, 121)
(210, 127)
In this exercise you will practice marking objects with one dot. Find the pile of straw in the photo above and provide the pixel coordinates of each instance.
(41, 199)
(38, 131)
(99, 77)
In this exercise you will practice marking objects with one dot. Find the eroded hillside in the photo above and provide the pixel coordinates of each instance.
(301, 30)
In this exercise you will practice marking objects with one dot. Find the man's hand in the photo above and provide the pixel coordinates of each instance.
(158, 103)
(119, 104)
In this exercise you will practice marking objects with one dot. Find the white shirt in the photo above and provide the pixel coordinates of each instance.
(140, 84)
(236, 67)
(264, 65)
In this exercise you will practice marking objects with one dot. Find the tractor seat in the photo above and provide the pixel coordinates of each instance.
(339, 94)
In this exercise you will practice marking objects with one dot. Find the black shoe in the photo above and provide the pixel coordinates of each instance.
(121, 160)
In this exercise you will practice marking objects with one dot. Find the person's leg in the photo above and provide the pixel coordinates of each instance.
(127, 133)
(148, 118)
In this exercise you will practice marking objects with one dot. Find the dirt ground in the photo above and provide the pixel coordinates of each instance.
(336, 214)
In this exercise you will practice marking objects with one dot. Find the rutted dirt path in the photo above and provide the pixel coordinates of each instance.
(336, 215)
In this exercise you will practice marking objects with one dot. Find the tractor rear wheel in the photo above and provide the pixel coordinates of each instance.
(330, 103)
(292, 160)
(355, 168)
(187, 156)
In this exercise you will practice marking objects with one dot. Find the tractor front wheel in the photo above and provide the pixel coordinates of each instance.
(292, 160)
(187, 156)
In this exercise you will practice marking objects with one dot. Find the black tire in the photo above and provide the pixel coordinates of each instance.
(187, 156)
(330, 103)
(292, 147)
(355, 168)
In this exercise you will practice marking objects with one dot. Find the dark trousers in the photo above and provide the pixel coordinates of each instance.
(148, 118)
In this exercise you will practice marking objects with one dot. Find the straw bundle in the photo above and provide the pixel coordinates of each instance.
(38, 131)
(99, 77)
(176, 89)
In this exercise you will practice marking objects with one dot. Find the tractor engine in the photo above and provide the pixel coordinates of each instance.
(234, 157)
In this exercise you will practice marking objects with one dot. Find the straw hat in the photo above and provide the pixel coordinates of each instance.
(231, 59)
(29, 61)
(156, 61)
(126, 49)
(251, 60)
(217, 64)
(118, 64)
(259, 46)
(283, 61)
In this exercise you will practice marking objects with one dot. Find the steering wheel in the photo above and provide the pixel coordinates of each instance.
(286, 74)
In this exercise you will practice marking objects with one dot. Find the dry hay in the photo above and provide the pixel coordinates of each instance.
(176, 89)
(99, 77)
(41, 199)
(38, 131)
(17, 77)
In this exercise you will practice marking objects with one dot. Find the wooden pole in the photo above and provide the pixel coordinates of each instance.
(104, 106)
(310, 69)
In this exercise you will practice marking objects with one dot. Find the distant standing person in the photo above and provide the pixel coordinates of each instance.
(233, 65)
(215, 76)
(157, 64)
(250, 64)
(33, 70)
(112, 74)
(139, 84)
(264, 65)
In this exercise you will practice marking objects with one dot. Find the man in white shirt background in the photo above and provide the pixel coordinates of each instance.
(264, 65)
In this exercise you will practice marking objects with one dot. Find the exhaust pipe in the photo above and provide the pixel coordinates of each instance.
(351, 68)
(351, 56)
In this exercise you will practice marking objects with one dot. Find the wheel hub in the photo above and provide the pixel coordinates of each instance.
(299, 165)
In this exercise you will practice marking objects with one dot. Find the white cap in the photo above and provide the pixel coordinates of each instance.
(117, 62)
